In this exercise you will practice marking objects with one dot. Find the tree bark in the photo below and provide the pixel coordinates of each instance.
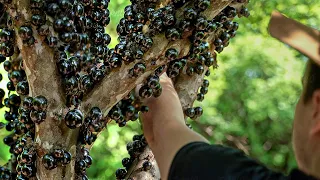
(40, 67)
(187, 88)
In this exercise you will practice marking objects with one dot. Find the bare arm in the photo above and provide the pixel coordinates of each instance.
(164, 126)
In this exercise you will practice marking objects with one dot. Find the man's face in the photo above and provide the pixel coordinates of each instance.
(303, 138)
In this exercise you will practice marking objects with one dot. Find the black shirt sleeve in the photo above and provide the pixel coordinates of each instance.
(201, 161)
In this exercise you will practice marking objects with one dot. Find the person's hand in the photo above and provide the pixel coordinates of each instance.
(164, 111)
(164, 126)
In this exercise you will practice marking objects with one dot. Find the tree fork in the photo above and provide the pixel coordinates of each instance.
(40, 66)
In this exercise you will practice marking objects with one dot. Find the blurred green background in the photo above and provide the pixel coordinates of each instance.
(251, 99)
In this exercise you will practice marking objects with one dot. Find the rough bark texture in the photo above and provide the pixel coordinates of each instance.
(40, 67)
(118, 84)
(136, 172)
(187, 88)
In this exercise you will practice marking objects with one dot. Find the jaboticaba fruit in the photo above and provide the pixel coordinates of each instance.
(147, 165)
(190, 112)
(66, 158)
(38, 116)
(88, 160)
(74, 118)
(198, 111)
(49, 162)
(23, 88)
(126, 162)
(121, 173)
(40, 103)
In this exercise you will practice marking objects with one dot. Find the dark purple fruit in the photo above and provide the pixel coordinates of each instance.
(121, 173)
(27, 102)
(138, 69)
(198, 111)
(202, 5)
(200, 97)
(122, 123)
(25, 32)
(205, 83)
(14, 100)
(81, 166)
(49, 162)
(201, 24)
(147, 165)
(185, 26)
(10, 126)
(66, 159)
(27, 157)
(74, 118)
(95, 113)
(172, 54)
(199, 69)
(38, 19)
(8, 140)
(126, 162)
(220, 48)
(190, 112)
(88, 160)
(23, 88)
(190, 14)
(244, 12)
(2, 58)
(172, 34)
(38, 116)
(145, 92)
(208, 72)
(190, 71)
(27, 170)
(204, 90)
(7, 65)
(211, 27)
(10, 86)
(53, 9)
(40, 103)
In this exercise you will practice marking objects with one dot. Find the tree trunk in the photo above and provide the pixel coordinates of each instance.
(39, 63)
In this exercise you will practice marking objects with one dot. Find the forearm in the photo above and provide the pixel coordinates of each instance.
(168, 141)
(164, 126)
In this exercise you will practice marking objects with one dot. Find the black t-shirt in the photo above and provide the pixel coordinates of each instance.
(201, 161)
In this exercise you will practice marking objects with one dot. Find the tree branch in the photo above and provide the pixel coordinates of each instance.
(118, 84)
(40, 67)
(186, 87)
(138, 173)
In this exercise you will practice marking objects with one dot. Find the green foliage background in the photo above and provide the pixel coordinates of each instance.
(251, 99)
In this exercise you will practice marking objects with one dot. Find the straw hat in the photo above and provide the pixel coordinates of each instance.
(300, 37)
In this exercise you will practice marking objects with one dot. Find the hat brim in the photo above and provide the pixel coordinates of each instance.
(302, 38)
